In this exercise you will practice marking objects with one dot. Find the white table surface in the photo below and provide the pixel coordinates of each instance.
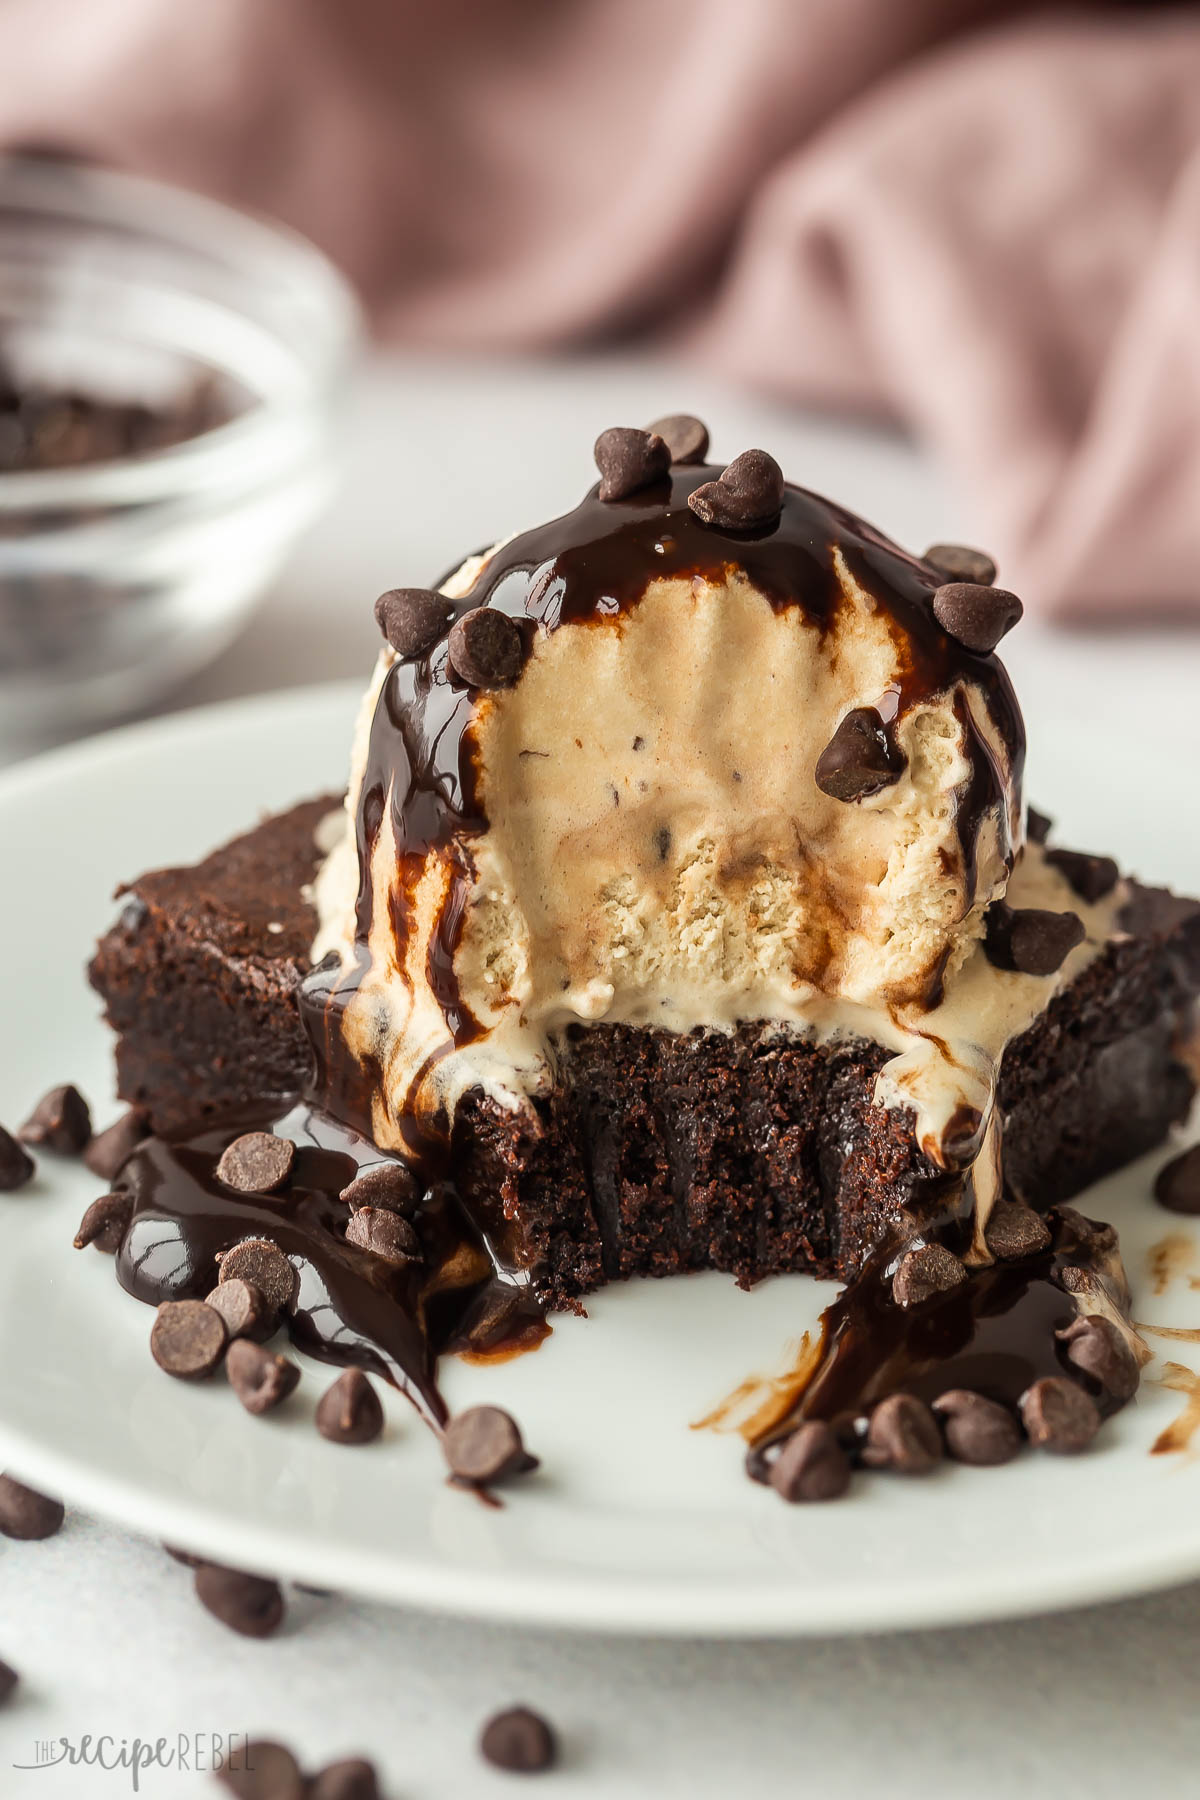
(440, 458)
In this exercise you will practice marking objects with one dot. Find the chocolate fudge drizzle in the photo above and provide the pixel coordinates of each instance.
(587, 569)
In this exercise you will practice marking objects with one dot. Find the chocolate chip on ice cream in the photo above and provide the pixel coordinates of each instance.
(413, 620)
(974, 615)
(686, 437)
(1030, 940)
(629, 460)
(484, 648)
(959, 563)
(860, 758)
(747, 495)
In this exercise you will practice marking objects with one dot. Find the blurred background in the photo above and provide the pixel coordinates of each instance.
(299, 300)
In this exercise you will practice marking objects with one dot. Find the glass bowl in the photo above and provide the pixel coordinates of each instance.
(119, 577)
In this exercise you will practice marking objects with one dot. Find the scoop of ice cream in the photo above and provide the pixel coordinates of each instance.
(741, 772)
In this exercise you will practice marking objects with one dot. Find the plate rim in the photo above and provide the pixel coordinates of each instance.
(606, 1602)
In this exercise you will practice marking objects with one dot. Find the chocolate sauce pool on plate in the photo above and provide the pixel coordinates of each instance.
(351, 1306)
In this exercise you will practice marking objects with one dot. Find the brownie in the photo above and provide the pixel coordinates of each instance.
(199, 973)
(751, 1151)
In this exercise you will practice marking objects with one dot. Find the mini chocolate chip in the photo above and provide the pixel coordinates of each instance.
(485, 648)
(1098, 1348)
(244, 1309)
(388, 1186)
(902, 1435)
(1037, 826)
(519, 1740)
(811, 1464)
(105, 1223)
(748, 494)
(249, 1604)
(860, 758)
(264, 1266)
(351, 1779)
(1091, 877)
(24, 1513)
(111, 1149)
(260, 1381)
(258, 1162)
(1177, 1184)
(977, 617)
(958, 563)
(412, 620)
(264, 1771)
(686, 437)
(16, 1165)
(929, 1269)
(629, 460)
(483, 1444)
(187, 1338)
(1059, 1416)
(977, 1430)
(60, 1121)
(1028, 940)
(350, 1412)
(662, 842)
(385, 1234)
(1014, 1231)
(8, 1681)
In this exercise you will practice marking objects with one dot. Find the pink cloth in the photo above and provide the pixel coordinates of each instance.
(970, 215)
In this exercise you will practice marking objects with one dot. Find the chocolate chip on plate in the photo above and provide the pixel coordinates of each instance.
(350, 1411)
(959, 563)
(1091, 877)
(1177, 1184)
(264, 1771)
(413, 620)
(105, 1223)
(111, 1149)
(187, 1339)
(485, 648)
(259, 1379)
(264, 1266)
(24, 1513)
(929, 1269)
(519, 1740)
(975, 616)
(258, 1162)
(1097, 1348)
(903, 1435)
(748, 494)
(811, 1464)
(1029, 940)
(8, 1681)
(389, 1186)
(860, 758)
(244, 1309)
(60, 1121)
(629, 460)
(977, 1430)
(483, 1444)
(354, 1778)
(686, 437)
(1014, 1230)
(16, 1165)
(1059, 1416)
(1037, 826)
(385, 1234)
(250, 1604)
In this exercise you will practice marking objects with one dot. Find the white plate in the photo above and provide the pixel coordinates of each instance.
(636, 1522)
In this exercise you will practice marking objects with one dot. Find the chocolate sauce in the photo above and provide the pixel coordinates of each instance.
(351, 1307)
(994, 1334)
